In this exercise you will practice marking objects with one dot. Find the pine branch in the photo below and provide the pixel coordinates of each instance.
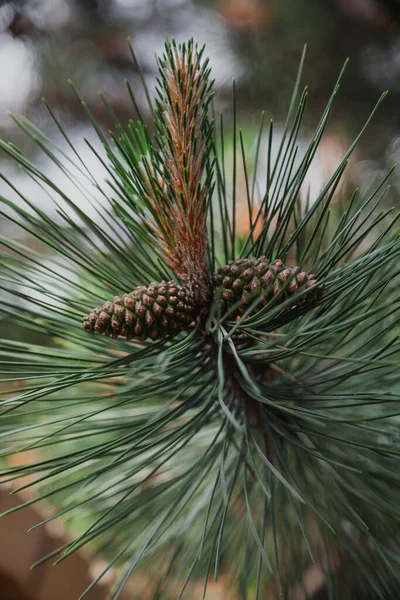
(196, 450)
(177, 193)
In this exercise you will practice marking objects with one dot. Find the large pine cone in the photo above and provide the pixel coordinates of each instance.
(157, 311)
(243, 280)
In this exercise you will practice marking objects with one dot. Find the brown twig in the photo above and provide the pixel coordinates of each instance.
(179, 198)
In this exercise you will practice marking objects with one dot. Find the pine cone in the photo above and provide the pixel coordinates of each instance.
(159, 310)
(244, 279)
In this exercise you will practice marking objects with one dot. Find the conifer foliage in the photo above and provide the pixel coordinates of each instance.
(241, 413)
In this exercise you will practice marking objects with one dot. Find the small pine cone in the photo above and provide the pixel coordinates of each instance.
(244, 279)
(157, 311)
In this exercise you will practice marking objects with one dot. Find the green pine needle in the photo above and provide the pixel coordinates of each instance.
(253, 446)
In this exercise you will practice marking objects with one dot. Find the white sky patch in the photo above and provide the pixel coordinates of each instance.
(19, 81)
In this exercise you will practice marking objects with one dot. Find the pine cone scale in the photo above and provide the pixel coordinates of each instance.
(160, 310)
(241, 281)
